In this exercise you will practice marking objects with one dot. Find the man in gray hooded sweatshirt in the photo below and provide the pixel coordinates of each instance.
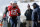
(35, 15)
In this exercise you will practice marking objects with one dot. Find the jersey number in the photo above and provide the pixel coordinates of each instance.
(13, 12)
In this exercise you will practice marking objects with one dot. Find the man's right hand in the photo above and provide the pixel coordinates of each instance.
(38, 21)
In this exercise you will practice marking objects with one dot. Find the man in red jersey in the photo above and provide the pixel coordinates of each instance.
(14, 11)
(18, 17)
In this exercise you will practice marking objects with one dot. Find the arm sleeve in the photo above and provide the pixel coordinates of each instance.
(9, 8)
(25, 13)
(32, 16)
(6, 10)
(19, 13)
(5, 13)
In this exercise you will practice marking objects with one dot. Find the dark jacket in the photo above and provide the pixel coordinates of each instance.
(28, 14)
(35, 13)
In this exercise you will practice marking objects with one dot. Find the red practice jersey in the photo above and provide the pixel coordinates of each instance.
(12, 11)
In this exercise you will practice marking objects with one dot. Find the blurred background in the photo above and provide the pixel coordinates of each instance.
(22, 5)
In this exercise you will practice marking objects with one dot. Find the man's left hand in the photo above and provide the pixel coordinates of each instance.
(38, 21)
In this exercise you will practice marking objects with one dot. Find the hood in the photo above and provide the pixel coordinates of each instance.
(37, 6)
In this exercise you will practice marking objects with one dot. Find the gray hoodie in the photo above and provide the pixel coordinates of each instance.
(34, 14)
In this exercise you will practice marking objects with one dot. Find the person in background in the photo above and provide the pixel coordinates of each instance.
(6, 10)
(5, 16)
(39, 17)
(28, 14)
(35, 14)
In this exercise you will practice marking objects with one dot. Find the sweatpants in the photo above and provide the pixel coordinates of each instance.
(13, 21)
